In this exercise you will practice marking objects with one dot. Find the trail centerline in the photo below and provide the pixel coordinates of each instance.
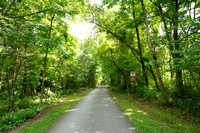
(95, 113)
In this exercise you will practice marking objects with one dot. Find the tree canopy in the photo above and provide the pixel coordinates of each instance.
(157, 39)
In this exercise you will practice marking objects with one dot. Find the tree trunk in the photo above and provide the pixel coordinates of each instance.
(153, 54)
(8, 8)
(7, 85)
(45, 62)
(24, 78)
(170, 66)
(1, 73)
(111, 80)
(179, 74)
(124, 76)
(195, 3)
(150, 70)
(154, 77)
(144, 73)
(13, 85)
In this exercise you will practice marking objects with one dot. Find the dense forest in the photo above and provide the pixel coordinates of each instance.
(41, 60)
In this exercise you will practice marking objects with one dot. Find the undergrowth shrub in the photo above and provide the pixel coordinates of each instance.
(116, 88)
(147, 93)
(17, 118)
(27, 107)
(24, 103)
(69, 91)
(188, 105)
(188, 102)
(4, 102)
(139, 92)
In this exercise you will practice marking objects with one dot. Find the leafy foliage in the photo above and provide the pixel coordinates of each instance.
(174, 34)
(17, 118)
(39, 57)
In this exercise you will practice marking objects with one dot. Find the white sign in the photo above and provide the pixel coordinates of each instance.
(132, 74)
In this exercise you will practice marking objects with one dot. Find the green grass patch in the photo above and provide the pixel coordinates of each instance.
(150, 118)
(55, 113)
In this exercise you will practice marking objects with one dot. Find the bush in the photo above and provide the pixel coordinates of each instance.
(139, 92)
(188, 102)
(116, 89)
(68, 91)
(188, 105)
(151, 94)
(4, 102)
(23, 103)
(17, 118)
(147, 93)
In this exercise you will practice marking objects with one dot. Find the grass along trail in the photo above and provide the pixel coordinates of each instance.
(53, 114)
(149, 118)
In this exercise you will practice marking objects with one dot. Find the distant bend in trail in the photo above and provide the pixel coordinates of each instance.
(95, 113)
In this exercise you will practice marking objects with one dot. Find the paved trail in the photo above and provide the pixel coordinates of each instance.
(95, 113)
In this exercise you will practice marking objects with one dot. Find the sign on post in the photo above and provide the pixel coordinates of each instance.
(133, 79)
(132, 76)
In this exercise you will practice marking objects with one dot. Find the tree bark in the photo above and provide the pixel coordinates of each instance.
(124, 76)
(1, 73)
(24, 88)
(195, 3)
(144, 73)
(141, 58)
(8, 7)
(7, 85)
(179, 74)
(45, 62)
(13, 85)
(153, 54)
(170, 66)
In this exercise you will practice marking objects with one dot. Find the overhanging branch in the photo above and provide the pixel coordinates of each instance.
(25, 15)
(18, 54)
(8, 7)
(116, 36)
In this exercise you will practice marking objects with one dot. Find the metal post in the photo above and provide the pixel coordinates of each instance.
(133, 89)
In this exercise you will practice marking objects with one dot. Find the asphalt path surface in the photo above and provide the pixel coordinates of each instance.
(95, 113)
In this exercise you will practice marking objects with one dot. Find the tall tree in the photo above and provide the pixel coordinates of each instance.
(140, 49)
(45, 59)
(153, 54)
